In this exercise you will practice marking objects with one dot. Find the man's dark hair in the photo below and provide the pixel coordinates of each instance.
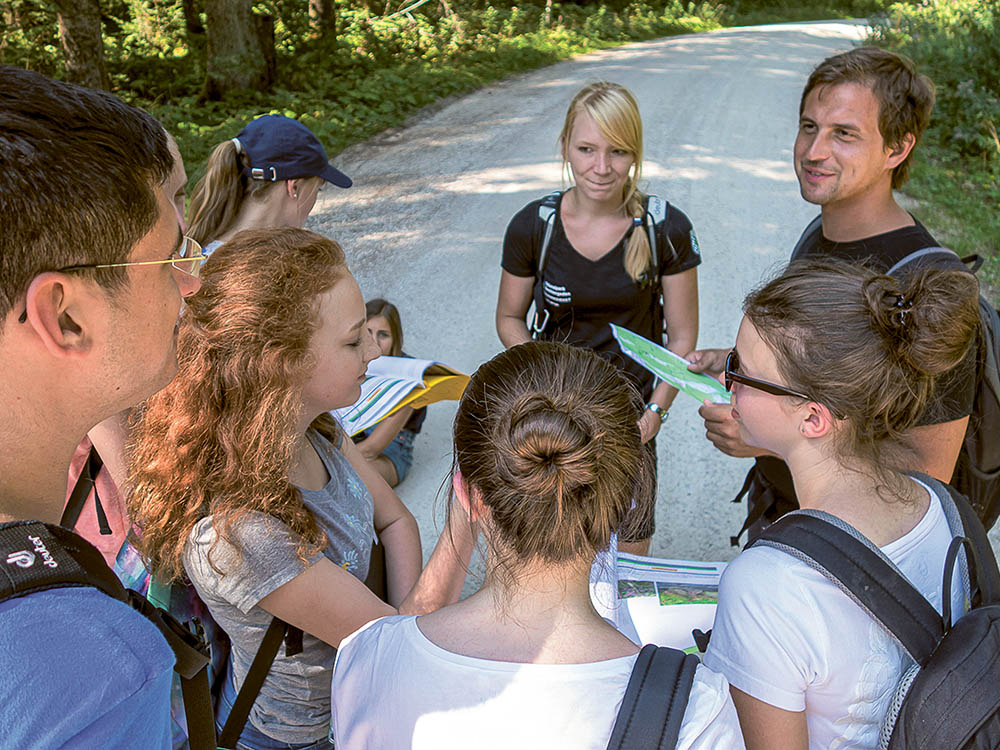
(77, 173)
(905, 97)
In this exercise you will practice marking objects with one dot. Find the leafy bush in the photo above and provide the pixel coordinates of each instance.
(957, 43)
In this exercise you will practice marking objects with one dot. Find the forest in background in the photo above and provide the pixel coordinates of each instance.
(352, 68)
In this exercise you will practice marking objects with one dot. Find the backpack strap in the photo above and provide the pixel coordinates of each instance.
(547, 215)
(277, 631)
(860, 569)
(655, 699)
(983, 574)
(85, 484)
(657, 212)
(806, 238)
(923, 255)
(41, 556)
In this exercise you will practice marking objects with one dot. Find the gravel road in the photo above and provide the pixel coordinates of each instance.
(424, 222)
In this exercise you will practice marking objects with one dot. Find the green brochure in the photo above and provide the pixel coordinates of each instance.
(669, 367)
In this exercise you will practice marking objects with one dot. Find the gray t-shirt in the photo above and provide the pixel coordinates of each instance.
(294, 703)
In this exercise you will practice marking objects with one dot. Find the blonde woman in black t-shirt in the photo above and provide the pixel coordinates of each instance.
(598, 266)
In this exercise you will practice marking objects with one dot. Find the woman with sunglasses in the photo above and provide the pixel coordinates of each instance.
(833, 364)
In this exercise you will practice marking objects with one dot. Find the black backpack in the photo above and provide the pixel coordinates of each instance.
(43, 556)
(655, 699)
(949, 699)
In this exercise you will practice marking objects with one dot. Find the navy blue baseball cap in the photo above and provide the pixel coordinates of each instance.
(280, 148)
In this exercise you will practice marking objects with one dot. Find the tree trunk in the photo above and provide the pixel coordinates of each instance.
(240, 49)
(323, 19)
(192, 21)
(80, 33)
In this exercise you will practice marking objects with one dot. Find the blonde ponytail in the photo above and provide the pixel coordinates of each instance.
(219, 194)
(637, 253)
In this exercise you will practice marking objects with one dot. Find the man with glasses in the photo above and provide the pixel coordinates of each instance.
(93, 267)
(861, 115)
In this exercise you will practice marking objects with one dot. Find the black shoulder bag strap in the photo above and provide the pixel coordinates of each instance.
(42, 556)
(861, 571)
(277, 631)
(655, 699)
(85, 483)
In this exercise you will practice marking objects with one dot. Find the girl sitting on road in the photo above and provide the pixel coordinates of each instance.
(833, 363)
(599, 265)
(389, 444)
(547, 459)
(267, 176)
(241, 480)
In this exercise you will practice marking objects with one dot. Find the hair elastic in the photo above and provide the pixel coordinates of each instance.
(902, 306)
(238, 145)
(636, 221)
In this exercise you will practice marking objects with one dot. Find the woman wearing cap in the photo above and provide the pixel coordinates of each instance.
(267, 176)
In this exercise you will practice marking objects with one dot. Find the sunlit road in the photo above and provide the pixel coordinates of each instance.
(424, 223)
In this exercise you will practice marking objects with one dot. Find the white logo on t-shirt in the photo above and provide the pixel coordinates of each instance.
(556, 295)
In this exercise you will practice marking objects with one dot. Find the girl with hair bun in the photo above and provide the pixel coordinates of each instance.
(547, 460)
(242, 482)
(267, 176)
(833, 364)
(599, 266)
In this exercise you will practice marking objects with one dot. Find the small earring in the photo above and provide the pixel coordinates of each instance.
(295, 195)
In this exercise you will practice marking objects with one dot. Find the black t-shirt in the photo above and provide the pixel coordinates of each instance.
(954, 391)
(584, 296)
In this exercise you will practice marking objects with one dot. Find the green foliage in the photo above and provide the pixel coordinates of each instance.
(378, 71)
(957, 43)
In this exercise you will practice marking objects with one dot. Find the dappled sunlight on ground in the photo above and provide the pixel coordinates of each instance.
(424, 224)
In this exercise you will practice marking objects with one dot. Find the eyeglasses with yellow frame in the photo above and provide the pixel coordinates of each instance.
(186, 259)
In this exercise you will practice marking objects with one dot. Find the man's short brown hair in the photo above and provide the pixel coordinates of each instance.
(78, 169)
(905, 97)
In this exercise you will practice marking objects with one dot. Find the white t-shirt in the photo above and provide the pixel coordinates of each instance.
(787, 636)
(393, 688)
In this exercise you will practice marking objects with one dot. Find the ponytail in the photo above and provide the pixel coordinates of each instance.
(217, 197)
(638, 253)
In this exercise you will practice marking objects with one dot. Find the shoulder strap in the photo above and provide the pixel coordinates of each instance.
(41, 556)
(547, 215)
(657, 212)
(277, 631)
(85, 484)
(984, 576)
(924, 253)
(655, 699)
(861, 571)
(814, 226)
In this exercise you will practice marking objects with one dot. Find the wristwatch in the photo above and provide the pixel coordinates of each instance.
(658, 411)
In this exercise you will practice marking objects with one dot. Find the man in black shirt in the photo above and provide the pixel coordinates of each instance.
(860, 117)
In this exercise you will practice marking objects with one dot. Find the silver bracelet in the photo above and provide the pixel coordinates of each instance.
(658, 411)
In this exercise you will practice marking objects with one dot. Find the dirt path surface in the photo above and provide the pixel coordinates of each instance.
(424, 223)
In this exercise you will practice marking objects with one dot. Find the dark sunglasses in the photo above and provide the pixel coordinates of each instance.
(733, 375)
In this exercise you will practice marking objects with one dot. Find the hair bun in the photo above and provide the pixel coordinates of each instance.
(547, 451)
(927, 318)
